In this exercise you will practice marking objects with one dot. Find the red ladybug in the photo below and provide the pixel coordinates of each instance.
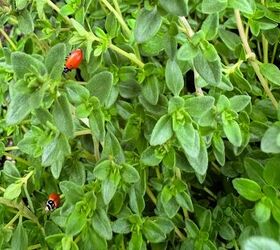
(74, 60)
(53, 202)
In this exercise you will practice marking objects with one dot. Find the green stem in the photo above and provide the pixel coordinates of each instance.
(274, 52)
(8, 39)
(82, 132)
(252, 59)
(210, 192)
(118, 17)
(130, 56)
(19, 159)
(54, 7)
(11, 148)
(11, 222)
(265, 49)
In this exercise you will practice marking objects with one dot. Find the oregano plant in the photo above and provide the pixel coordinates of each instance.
(163, 134)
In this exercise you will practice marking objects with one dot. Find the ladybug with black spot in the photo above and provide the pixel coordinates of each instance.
(53, 202)
(74, 60)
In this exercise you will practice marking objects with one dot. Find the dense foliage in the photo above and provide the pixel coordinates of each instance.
(166, 137)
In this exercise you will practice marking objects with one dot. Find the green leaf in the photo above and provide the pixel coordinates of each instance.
(136, 241)
(187, 52)
(246, 6)
(23, 63)
(121, 226)
(25, 22)
(18, 109)
(271, 72)
(230, 39)
(62, 116)
(239, 102)
(73, 193)
(260, 243)
(129, 174)
(213, 6)
(188, 138)
(13, 191)
(233, 132)
(184, 200)
(199, 105)
(113, 148)
(173, 77)
(227, 232)
(19, 238)
(211, 24)
(200, 163)
(269, 142)
(149, 157)
(97, 124)
(175, 7)
(162, 131)
(75, 223)
(153, 232)
(249, 189)
(100, 85)
(210, 71)
(150, 89)
(76, 93)
(55, 61)
(254, 170)
(20, 4)
(271, 172)
(102, 170)
(262, 212)
(109, 186)
(147, 25)
(101, 224)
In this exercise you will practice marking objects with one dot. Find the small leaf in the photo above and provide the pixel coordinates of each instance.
(130, 174)
(233, 132)
(25, 22)
(13, 191)
(153, 232)
(173, 77)
(213, 6)
(62, 116)
(260, 243)
(269, 142)
(249, 189)
(175, 7)
(147, 25)
(239, 102)
(75, 223)
(271, 72)
(162, 131)
(73, 192)
(100, 85)
(101, 224)
(55, 61)
(19, 238)
(210, 71)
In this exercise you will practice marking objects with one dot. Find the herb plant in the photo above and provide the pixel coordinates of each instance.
(167, 136)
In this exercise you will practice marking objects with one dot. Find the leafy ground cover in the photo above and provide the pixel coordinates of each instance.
(167, 136)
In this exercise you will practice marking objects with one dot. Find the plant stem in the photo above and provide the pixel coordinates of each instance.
(208, 191)
(11, 148)
(11, 222)
(189, 31)
(19, 159)
(274, 52)
(118, 16)
(252, 58)
(8, 39)
(82, 132)
(130, 56)
(54, 7)
(265, 49)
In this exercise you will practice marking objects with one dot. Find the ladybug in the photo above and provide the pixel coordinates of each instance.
(74, 60)
(53, 202)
